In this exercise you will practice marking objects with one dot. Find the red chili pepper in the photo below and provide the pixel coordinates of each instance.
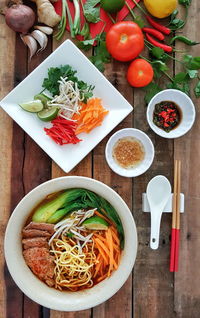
(154, 32)
(165, 47)
(158, 26)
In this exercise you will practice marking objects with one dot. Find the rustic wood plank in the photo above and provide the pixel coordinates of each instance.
(7, 53)
(153, 283)
(120, 305)
(36, 170)
(187, 148)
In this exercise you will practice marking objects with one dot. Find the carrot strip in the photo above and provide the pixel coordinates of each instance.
(91, 115)
(110, 244)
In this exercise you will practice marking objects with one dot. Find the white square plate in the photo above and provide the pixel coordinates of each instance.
(66, 156)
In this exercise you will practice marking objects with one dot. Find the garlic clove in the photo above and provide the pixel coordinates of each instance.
(41, 38)
(31, 43)
(45, 29)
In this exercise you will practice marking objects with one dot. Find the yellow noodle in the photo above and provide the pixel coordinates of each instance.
(73, 267)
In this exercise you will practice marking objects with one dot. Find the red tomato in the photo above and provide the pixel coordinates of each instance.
(125, 40)
(140, 73)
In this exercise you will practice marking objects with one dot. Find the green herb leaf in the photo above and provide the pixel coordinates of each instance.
(139, 21)
(159, 67)
(185, 3)
(91, 12)
(101, 54)
(191, 63)
(177, 24)
(192, 73)
(173, 15)
(197, 89)
(184, 87)
(54, 73)
(151, 90)
(180, 77)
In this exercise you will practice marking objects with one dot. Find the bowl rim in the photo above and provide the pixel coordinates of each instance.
(162, 132)
(132, 130)
(101, 294)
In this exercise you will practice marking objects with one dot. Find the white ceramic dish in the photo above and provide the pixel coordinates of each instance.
(148, 147)
(186, 105)
(39, 291)
(118, 107)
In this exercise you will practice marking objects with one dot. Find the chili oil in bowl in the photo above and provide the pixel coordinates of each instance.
(129, 152)
(171, 113)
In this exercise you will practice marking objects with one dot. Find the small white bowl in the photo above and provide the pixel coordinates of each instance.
(186, 105)
(39, 291)
(145, 163)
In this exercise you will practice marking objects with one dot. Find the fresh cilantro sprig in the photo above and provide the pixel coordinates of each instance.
(55, 73)
(91, 12)
(100, 53)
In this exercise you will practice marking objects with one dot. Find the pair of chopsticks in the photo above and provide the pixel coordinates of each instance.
(174, 253)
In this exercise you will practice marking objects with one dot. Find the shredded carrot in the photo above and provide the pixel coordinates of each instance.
(107, 249)
(90, 116)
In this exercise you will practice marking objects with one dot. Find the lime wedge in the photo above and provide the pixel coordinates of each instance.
(48, 114)
(34, 106)
(44, 99)
(95, 223)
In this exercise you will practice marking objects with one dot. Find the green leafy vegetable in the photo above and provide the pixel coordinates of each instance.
(73, 199)
(55, 73)
(197, 89)
(91, 12)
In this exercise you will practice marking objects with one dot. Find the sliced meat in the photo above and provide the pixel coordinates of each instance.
(35, 242)
(41, 263)
(41, 226)
(34, 233)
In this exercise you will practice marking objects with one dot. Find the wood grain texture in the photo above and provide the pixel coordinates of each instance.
(7, 51)
(187, 148)
(153, 283)
(115, 72)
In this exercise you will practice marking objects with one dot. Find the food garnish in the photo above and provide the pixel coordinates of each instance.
(167, 115)
(95, 223)
(90, 115)
(62, 131)
(34, 106)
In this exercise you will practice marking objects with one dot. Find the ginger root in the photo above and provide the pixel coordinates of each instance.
(46, 13)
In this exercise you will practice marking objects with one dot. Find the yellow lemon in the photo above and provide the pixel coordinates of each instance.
(160, 8)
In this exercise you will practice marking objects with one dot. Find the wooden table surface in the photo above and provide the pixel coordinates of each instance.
(151, 291)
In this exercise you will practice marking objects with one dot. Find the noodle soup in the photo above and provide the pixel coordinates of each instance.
(73, 240)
